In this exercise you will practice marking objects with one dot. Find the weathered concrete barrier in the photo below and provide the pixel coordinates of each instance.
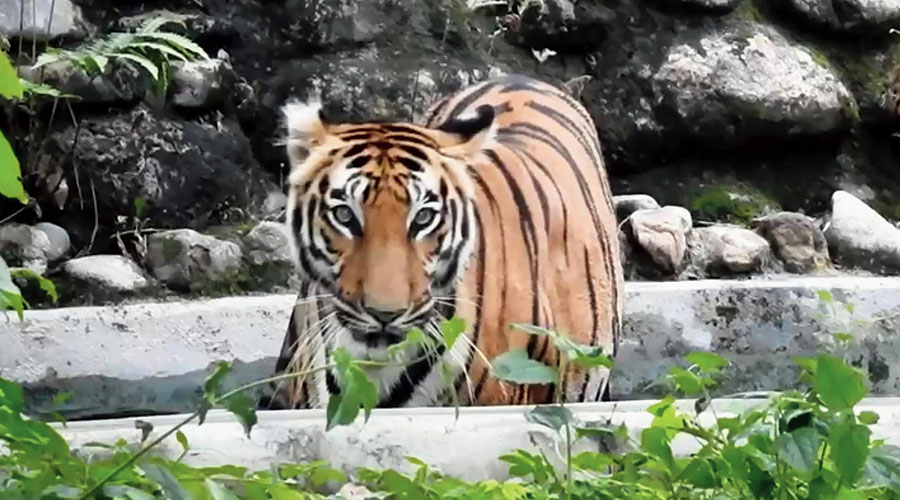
(467, 447)
(152, 358)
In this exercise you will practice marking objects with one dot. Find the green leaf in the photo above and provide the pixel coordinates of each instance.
(219, 491)
(838, 385)
(46, 285)
(800, 449)
(10, 295)
(11, 396)
(849, 445)
(142, 62)
(707, 362)
(10, 173)
(868, 417)
(182, 440)
(170, 485)
(10, 87)
(212, 388)
(242, 406)
(655, 441)
(699, 473)
(591, 461)
(125, 491)
(356, 390)
(452, 329)
(179, 42)
(685, 381)
(882, 467)
(515, 366)
(825, 296)
(553, 417)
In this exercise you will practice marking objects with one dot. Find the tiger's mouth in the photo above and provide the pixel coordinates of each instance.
(371, 336)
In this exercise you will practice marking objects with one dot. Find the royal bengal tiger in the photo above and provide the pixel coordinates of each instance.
(496, 210)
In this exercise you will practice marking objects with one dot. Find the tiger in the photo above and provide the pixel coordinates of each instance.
(495, 209)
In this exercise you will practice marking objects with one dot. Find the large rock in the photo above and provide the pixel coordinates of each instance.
(366, 84)
(25, 246)
(188, 174)
(120, 83)
(848, 15)
(796, 241)
(113, 273)
(41, 20)
(749, 83)
(662, 234)
(561, 25)
(719, 251)
(718, 6)
(627, 204)
(186, 260)
(201, 84)
(268, 251)
(59, 240)
(859, 237)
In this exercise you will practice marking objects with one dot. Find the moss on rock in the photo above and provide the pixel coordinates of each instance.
(737, 203)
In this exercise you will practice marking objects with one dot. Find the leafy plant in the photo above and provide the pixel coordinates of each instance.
(149, 48)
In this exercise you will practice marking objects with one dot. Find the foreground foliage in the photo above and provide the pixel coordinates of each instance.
(804, 444)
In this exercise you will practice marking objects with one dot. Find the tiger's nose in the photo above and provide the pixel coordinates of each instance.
(384, 317)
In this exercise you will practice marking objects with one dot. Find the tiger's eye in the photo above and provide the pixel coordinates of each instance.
(343, 214)
(424, 216)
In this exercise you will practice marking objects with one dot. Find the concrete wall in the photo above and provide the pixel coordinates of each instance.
(146, 358)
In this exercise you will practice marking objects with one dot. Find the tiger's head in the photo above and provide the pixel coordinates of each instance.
(382, 217)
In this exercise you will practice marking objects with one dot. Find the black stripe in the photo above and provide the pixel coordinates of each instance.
(526, 224)
(410, 164)
(356, 149)
(414, 151)
(473, 95)
(592, 297)
(436, 110)
(358, 162)
(412, 376)
(479, 294)
(539, 134)
(356, 136)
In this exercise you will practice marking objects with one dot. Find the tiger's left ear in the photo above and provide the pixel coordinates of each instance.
(306, 129)
(469, 135)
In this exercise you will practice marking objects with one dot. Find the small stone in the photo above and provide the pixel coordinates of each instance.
(274, 204)
(25, 246)
(627, 204)
(795, 240)
(59, 240)
(201, 84)
(723, 250)
(268, 242)
(661, 232)
(111, 272)
(859, 237)
(44, 20)
(184, 259)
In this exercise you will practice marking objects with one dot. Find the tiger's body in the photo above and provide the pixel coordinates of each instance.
(507, 180)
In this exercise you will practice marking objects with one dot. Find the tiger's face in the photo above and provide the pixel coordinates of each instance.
(383, 218)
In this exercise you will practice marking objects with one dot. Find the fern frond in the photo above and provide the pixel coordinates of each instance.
(179, 42)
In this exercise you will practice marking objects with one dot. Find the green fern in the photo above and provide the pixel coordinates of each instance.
(149, 48)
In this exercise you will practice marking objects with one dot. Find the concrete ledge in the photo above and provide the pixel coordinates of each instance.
(151, 358)
(467, 448)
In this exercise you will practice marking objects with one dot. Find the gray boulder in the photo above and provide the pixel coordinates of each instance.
(110, 273)
(662, 235)
(42, 20)
(561, 25)
(268, 252)
(186, 260)
(627, 204)
(719, 251)
(59, 240)
(188, 174)
(25, 246)
(120, 83)
(750, 82)
(848, 15)
(859, 237)
(718, 6)
(201, 84)
(796, 240)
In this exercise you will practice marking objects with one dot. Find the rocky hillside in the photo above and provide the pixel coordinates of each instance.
(763, 128)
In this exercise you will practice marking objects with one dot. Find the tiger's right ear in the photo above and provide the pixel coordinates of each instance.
(306, 129)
